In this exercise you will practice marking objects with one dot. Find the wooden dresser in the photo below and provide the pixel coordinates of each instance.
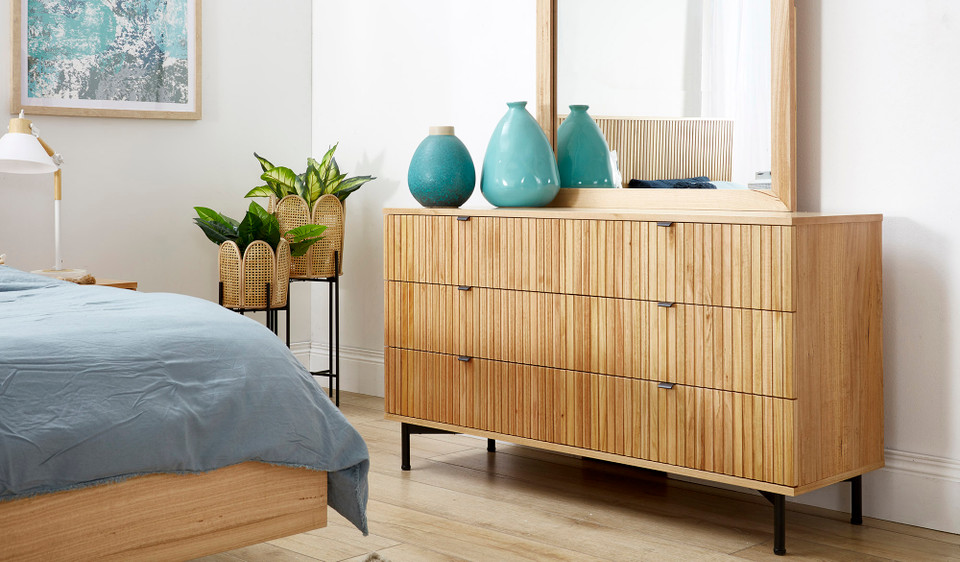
(736, 347)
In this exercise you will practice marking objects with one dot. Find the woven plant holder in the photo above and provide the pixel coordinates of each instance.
(245, 280)
(318, 263)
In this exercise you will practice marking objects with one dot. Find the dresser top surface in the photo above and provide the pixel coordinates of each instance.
(673, 215)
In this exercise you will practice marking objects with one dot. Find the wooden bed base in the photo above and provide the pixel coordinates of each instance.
(166, 516)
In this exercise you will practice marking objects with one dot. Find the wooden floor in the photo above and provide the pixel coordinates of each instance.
(461, 503)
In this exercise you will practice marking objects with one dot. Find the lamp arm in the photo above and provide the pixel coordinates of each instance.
(57, 176)
(57, 192)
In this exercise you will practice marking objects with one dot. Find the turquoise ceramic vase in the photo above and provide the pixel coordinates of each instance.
(583, 155)
(519, 168)
(441, 173)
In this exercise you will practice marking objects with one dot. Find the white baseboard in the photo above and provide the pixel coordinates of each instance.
(914, 489)
(361, 370)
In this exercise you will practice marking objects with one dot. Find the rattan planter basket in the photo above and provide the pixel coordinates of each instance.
(244, 279)
(319, 262)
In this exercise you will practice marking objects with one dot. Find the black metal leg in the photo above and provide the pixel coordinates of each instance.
(408, 429)
(336, 288)
(491, 445)
(856, 500)
(779, 525)
(779, 522)
(287, 314)
(330, 341)
(404, 446)
(271, 314)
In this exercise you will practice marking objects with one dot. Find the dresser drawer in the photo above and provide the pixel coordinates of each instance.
(742, 350)
(723, 432)
(736, 349)
(572, 408)
(746, 266)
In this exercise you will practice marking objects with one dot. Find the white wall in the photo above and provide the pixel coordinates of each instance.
(415, 64)
(879, 132)
(130, 184)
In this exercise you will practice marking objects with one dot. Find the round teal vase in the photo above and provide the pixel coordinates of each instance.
(441, 172)
(519, 168)
(583, 155)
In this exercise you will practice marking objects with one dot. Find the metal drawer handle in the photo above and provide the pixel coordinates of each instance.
(666, 304)
(665, 223)
(464, 288)
(464, 358)
(463, 219)
(665, 385)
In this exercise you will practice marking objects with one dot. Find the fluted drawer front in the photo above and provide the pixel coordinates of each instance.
(724, 432)
(734, 349)
(748, 266)
(744, 266)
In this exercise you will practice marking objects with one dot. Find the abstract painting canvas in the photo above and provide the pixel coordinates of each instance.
(107, 58)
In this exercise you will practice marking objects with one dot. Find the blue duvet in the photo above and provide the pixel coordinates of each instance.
(98, 384)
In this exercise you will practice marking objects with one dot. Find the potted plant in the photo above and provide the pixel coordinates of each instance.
(253, 254)
(314, 197)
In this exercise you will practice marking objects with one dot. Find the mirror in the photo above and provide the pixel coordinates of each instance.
(683, 65)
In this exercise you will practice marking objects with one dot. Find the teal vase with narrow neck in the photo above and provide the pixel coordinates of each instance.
(519, 167)
(583, 155)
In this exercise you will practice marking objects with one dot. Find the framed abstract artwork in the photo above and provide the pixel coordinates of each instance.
(107, 58)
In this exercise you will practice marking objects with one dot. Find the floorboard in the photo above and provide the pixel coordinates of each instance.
(461, 503)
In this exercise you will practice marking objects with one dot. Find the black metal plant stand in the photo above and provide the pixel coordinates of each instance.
(273, 317)
(778, 500)
(332, 372)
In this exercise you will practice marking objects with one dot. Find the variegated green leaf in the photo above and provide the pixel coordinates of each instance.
(314, 187)
(352, 184)
(285, 179)
(325, 161)
(260, 191)
(331, 175)
(265, 164)
(342, 194)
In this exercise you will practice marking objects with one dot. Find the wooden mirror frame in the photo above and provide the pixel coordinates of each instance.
(782, 196)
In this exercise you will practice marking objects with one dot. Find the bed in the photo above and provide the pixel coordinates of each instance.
(158, 426)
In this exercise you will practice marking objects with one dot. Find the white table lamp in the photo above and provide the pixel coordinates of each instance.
(22, 151)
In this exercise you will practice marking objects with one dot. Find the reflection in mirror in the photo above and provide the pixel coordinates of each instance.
(702, 59)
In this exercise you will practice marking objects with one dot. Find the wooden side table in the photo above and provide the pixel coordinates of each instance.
(132, 285)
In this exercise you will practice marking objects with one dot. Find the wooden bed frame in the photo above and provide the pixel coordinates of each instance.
(166, 516)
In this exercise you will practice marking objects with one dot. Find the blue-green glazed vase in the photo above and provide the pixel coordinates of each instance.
(583, 155)
(441, 172)
(519, 168)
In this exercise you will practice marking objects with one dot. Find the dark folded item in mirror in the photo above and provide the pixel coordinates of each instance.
(700, 182)
(694, 185)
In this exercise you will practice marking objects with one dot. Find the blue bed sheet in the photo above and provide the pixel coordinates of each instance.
(99, 384)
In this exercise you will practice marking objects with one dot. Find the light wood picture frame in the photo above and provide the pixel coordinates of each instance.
(783, 194)
(106, 62)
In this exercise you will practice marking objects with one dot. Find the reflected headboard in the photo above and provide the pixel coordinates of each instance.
(670, 148)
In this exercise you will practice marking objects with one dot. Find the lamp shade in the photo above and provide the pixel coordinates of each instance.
(21, 153)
